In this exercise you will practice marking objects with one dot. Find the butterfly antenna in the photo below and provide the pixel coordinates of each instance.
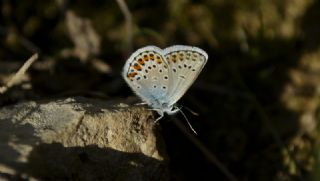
(190, 110)
(188, 121)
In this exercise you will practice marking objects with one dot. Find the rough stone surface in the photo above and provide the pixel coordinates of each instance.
(80, 139)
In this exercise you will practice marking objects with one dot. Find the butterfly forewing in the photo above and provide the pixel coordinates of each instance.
(185, 64)
(146, 73)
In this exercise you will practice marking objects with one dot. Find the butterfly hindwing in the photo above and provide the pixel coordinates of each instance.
(185, 64)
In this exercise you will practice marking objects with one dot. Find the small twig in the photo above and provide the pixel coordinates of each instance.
(210, 156)
(128, 18)
(17, 77)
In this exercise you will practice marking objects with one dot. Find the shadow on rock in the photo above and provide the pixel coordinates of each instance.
(16, 139)
(56, 162)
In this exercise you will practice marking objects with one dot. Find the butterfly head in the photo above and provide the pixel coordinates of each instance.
(166, 108)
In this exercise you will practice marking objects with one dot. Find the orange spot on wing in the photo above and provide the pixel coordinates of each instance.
(140, 61)
(137, 67)
(174, 58)
(159, 61)
(146, 58)
(151, 56)
(132, 74)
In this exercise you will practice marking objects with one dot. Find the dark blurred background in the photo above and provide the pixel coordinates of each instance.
(257, 97)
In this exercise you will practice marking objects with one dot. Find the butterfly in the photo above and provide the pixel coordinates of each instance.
(160, 77)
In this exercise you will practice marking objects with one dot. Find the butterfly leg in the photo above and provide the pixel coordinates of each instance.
(160, 112)
(161, 116)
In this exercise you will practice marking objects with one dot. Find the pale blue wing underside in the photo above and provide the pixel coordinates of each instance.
(185, 64)
(147, 74)
(161, 77)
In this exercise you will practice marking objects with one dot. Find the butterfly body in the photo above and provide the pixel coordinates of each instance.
(160, 77)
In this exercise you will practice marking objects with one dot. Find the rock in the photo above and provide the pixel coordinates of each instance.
(80, 139)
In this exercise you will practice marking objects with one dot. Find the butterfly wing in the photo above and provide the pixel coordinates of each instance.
(146, 73)
(185, 64)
